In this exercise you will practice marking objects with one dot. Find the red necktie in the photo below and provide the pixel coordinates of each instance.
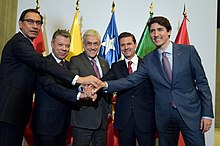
(129, 67)
(96, 69)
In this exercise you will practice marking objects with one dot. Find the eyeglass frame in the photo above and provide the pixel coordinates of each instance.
(31, 22)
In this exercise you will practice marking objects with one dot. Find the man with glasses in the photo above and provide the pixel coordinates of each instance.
(19, 64)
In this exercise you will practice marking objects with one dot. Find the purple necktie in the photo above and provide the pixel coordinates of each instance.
(167, 69)
(96, 69)
(129, 67)
(62, 63)
(166, 66)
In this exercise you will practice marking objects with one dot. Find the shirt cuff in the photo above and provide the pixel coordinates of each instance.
(78, 96)
(106, 86)
(75, 79)
(205, 117)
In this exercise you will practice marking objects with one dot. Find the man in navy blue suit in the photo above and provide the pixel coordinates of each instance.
(134, 110)
(183, 100)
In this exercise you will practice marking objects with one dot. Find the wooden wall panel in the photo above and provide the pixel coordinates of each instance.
(217, 99)
(8, 16)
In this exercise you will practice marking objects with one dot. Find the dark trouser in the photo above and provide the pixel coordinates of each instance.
(10, 135)
(171, 135)
(130, 134)
(83, 137)
(51, 140)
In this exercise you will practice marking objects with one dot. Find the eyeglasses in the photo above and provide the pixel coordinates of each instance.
(31, 22)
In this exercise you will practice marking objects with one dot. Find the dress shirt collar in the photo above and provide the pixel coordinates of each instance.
(26, 37)
(57, 60)
(134, 60)
(169, 49)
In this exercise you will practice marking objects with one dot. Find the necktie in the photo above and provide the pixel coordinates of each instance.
(129, 67)
(166, 66)
(62, 63)
(96, 69)
(167, 69)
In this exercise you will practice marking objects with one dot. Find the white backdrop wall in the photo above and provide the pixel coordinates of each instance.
(131, 15)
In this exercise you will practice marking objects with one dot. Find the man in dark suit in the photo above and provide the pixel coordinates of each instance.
(134, 110)
(51, 113)
(18, 67)
(183, 100)
(89, 119)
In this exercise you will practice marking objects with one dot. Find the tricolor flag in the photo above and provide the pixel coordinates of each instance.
(38, 43)
(76, 39)
(145, 44)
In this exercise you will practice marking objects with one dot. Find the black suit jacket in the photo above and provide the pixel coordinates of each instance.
(138, 101)
(18, 67)
(89, 114)
(52, 98)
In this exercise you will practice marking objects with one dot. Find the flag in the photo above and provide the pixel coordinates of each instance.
(145, 44)
(76, 39)
(182, 35)
(182, 38)
(110, 47)
(39, 43)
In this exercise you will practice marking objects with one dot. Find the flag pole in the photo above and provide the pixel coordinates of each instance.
(77, 5)
(113, 7)
(151, 8)
(38, 5)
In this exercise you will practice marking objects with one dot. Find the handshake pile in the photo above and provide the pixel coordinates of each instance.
(90, 85)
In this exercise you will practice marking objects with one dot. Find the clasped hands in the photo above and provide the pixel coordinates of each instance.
(90, 85)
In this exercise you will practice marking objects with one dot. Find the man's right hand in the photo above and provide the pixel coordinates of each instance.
(89, 80)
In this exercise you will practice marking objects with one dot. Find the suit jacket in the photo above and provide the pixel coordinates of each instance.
(137, 101)
(189, 87)
(89, 114)
(18, 67)
(52, 98)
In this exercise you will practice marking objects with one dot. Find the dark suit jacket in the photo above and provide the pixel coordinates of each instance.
(138, 101)
(189, 87)
(52, 98)
(89, 114)
(18, 68)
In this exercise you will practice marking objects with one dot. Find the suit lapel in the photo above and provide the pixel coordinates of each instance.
(124, 69)
(157, 63)
(87, 63)
(177, 55)
(103, 65)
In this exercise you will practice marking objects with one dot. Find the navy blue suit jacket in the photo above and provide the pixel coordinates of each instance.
(138, 101)
(51, 111)
(189, 87)
(53, 98)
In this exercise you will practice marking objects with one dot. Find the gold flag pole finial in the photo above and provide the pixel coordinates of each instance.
(77, 4)
(38, 4)
(113, 7)
(184, 11)
(151, 8)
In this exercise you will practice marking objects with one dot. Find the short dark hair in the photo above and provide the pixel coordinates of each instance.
(61, 32)
(161, 21)
(126, 34)
(30, 10)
